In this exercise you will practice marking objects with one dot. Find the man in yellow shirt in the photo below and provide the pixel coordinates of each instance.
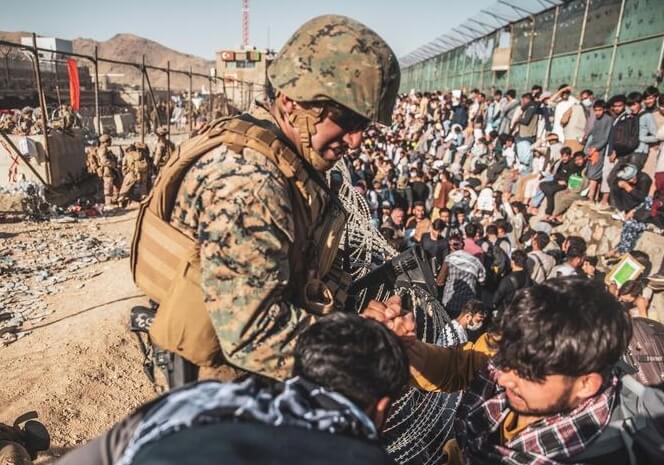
(541, 391)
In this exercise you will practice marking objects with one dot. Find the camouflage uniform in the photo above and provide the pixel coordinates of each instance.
(134, 171)
(163, 150)
(240, 207)
(25, 124)
(108, 170)
(67, 116)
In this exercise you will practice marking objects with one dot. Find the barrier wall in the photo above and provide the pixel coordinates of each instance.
(554, 47)
(67, 158)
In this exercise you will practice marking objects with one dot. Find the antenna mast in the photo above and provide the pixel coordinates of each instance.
(245, 23)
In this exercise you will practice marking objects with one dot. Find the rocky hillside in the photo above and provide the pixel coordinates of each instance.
(130, 47)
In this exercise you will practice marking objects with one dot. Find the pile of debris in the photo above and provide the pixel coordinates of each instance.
(35, 265)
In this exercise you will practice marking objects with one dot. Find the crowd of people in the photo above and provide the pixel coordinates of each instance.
(27, 121)
(480, 183)
(541, 351)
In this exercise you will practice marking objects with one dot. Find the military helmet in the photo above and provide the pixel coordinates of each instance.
(26, 110)
(336, 58)
(161, 131)
(105, 138)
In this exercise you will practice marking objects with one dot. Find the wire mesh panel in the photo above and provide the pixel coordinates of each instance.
(642, 18)
(601, 23)
(517, 77)
(562, 70)
(521, 41)
(636, 66)
(537, 73)
(594, 70)
(543, 34)
(570, 21)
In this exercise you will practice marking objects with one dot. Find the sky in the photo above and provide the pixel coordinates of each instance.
(202, 27)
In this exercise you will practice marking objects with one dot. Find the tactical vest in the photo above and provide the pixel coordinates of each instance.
(165, 261)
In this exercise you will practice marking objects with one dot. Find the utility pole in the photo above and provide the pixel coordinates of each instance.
(245, 23)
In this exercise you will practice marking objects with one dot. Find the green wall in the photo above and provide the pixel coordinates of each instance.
(637, 62)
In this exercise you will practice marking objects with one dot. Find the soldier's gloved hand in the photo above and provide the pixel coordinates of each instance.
(391, 315)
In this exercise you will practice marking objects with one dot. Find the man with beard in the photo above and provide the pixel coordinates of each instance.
(548, 391)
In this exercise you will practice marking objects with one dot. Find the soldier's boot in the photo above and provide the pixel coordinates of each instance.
(12, 453)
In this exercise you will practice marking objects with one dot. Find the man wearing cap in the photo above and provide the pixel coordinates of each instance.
(264, 226)
(629, 188)
(164, 148)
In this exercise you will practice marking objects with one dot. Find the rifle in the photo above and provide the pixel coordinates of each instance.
(410, 269)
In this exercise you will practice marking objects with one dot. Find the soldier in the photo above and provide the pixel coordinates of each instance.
(108, 170)
(254, 225)
(24, 127)
(135, 169)
(67, 116)
(164, 148)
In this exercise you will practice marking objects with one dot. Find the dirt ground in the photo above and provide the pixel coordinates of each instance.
(79, 368)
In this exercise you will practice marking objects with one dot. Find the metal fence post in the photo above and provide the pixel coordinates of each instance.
(211, 115)
(168, 96)
(42, 107)
(547, 76)
(143, 100)
(613, 52)
(191, 96)
(97, 114)
(581, 37)
(509, 65)
(530, 51)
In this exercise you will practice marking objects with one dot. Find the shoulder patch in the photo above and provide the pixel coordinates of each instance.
(275, 199)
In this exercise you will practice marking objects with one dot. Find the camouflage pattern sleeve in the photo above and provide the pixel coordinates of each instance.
(240, 209)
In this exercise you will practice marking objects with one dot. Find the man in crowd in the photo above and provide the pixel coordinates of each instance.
(346, 371)
(472, 317)
(629, 188)
(459, 277)
(574, 248)
(539, 262)
(544, 396)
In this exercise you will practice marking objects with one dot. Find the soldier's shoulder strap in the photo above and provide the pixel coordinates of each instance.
(237, 133)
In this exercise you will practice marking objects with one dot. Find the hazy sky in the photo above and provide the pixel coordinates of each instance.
(202, 27)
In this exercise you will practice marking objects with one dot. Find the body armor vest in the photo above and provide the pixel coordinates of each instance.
(165, 261)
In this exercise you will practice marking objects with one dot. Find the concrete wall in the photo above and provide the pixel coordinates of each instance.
(67, 158)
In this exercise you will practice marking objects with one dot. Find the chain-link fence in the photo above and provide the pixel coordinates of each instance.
(148, 97)
(609, 46)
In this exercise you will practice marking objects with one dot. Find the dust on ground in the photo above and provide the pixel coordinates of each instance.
(77, 365)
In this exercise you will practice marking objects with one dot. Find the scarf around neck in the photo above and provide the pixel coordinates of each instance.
(295, 402)
(551, 440)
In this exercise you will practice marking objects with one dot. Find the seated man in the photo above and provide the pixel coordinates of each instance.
(567, 169)
(346, 371)
(629, 187)
(549, 389)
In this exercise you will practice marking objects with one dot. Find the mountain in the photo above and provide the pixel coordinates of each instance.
(131, 48)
